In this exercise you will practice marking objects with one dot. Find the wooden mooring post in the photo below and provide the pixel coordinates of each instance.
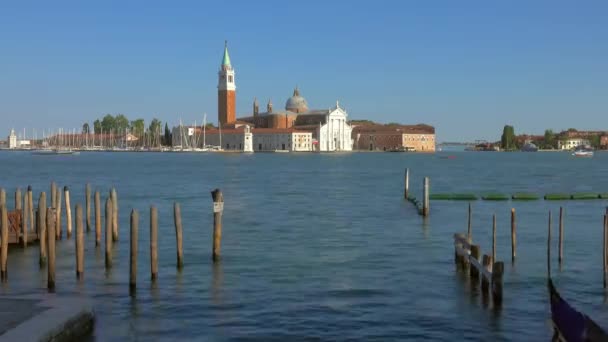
(605, 251)
(79, 243)
(153, 243)
(50, 224)
(87, 199)
(42, 231)
(494, 237)
(58, 216)
(426, 202)
(2, 197)
(114, 215)
(4, 252)
(97, 218)
(53, 195)
(25, 219)
(177, 217)
(218, 208)
(406, 190)
(561, 235)
(487, 265)
(19, 209)
(68, 211)
(513, 236)
(497, 272)
(109, 211)
(549, 246)
(474, 259)
(470, 224)
(30, 213)
(133, 254)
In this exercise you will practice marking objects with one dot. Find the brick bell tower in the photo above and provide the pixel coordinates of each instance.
(226, 91)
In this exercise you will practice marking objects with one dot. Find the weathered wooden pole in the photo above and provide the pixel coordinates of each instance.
(218, 208)
(30, 204)
(549, 246)
(2, 197)
(68, 211)
(605, 263)
(25, 222)
(133, 255)
(513, 236)
(561, 235)
(497, 271)
(42, 230)
(19, 209)
(79, 243)
(4, 252)
(50, 224)
(87, 195)
(425, 204)
(177, 216)
(494, 237)
(406, 190)
(97, 218)
(486, 263)
(153, 243)
(470, 225)
(53, 195)
(114, 215)
(58, 216)
(473, 271)
(109, 211)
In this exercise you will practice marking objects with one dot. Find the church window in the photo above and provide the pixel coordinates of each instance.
(230, 79)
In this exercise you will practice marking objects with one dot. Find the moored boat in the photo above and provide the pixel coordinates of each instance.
(583, 151)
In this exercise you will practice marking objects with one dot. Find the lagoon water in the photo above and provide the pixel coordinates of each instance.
(321, 246)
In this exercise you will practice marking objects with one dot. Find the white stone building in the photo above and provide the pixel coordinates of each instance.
(281, 139)
(571, 143)
(12, 140)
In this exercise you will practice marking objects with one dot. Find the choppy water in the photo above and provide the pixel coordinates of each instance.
(321, 246)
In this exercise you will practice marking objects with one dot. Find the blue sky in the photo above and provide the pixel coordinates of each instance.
(466, 67)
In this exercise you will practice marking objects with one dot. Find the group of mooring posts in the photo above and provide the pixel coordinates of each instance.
(467, 254)
(424, 207)
(45, 226)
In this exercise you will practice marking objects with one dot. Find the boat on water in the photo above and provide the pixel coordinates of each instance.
(583, 151)
(529, 147)
(50, 152)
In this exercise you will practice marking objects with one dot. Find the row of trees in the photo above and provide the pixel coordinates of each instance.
(120, 124)
(509, 141)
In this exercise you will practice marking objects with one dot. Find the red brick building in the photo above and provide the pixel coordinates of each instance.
(375, 137)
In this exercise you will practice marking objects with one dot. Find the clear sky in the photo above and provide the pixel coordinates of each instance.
(466, 67)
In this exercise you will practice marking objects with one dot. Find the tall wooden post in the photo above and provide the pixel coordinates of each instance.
(425, 206)
(25, 216)
(486, 263)
(561, 235)
(133, 255)
(494, 237)
(473, 271)
(58, 216)
(470, 225)
(513, 235)
(153, 243)
(406, 191)
(53, 195)
(87, 195)
(79, 243)
(42, 230)
(19, 209)
(218, 208)
(605, 263)
(68, 211)
(177, 216)
(2, 197)
(497, 271)
(30, 204)
(4, 252)
(109, 212)
(97, 218)
(114, 215)
(549, 246)
(50, 224)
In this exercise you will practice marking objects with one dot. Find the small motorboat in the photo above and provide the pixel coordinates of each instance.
(583, 151)
(49, 152)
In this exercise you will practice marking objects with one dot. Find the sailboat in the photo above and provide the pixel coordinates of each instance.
(204, 148)
(58, 149)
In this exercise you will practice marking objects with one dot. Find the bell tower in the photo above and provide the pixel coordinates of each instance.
(226, 91)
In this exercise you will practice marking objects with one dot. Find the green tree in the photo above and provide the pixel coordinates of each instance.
(507, 140)
(168, 141)
(121, 123)
(209, 125)
(550, 140)
(594, 141)
(137, 127)
(97, 126)
(108, 123)
(85, 128)
(154, 127)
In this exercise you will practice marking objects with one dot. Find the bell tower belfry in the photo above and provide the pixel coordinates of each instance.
(226, 91)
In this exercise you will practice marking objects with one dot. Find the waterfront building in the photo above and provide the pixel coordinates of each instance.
(12, 140)
(571, 143)
(376, 137)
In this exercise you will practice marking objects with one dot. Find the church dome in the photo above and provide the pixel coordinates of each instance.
(296, 103)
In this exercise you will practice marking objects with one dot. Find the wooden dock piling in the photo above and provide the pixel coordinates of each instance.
(19, 208)
(109, 212)
(50, 224)
(497, 271)
(473, 271)
(30, 213)
(58, 231)
(494, 237)
(87, 199)
(68, 211)
(114, 215)
(561, 235)
(218, 208)
(42, 231)
(133, 255)
(549, 246)
(605, 250)
(153, 243)
(4, 251)
(470, 224)
(406, 190)
(53, 195)
(426, 202)
(513, 236)
(486, 263)
(177, 216)
(2, 197)
(79, 243)
(97, 218)
(25, 222)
